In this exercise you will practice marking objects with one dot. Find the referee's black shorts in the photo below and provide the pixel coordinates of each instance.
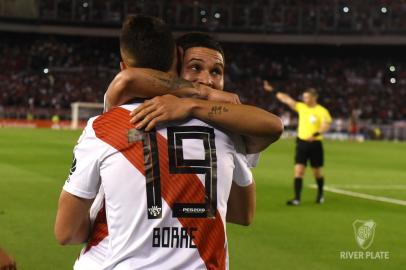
(312, 151)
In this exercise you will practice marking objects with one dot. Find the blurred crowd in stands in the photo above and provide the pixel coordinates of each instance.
(42, 75)
(283, 16)
(365, 83)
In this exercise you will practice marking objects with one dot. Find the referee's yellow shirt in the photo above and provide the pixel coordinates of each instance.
(310, 120)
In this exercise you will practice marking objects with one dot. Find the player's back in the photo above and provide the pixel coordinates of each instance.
(166, 193)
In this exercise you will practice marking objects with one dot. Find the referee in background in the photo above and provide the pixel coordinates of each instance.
(314, 120)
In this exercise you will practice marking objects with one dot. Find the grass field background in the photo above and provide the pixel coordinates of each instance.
(34, 165)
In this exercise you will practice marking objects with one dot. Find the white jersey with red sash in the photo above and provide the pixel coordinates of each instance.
(165, 193)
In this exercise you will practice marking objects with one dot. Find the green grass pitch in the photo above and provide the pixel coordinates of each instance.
(35, 163)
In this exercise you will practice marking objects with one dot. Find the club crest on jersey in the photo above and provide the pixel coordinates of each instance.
(364, 231)
(135, 135)
(154, 211)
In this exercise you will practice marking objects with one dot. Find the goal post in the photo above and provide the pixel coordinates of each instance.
(83, 111)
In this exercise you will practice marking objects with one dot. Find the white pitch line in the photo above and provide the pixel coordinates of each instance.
(363, 195)
(378, 187)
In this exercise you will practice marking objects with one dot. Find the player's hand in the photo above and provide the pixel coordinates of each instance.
(160, 109)
(7, 262)
(221, 96)
(267, 86)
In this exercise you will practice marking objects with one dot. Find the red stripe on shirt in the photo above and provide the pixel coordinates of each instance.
(99, 230)
(112, 128)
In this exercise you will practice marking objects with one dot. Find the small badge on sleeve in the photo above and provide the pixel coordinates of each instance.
(72, 168)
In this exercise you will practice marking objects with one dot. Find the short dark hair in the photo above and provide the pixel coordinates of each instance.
(196, 39)
(147, 42)
(312, 92)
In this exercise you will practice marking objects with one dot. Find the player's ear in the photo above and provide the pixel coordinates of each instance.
(122, 65)
(180, 54)
(173, 69)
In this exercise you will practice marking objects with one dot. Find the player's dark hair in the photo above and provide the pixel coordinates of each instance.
(199, 40)
(312, 92)
(147, 42)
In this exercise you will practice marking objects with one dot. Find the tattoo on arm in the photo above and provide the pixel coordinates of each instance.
(160, 82)
(178, 82)
(172, 83)
(217, 110)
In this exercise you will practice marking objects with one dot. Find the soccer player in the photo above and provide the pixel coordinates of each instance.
(203, 64)
(202, 76)
(314, 120)
(174, 215)
(6, 261)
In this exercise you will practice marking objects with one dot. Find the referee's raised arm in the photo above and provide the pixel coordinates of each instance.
(282, 97)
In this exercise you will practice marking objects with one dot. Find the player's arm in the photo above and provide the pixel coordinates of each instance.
(72, 225)
(282, 97)
(241, 204)
(133, 83)
(261, 128)
(6, 261)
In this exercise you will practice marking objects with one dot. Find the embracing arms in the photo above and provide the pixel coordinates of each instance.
(259, 127)
(131, 83)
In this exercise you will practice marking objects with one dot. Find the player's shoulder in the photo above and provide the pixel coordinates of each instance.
(109, 119)
(117, 113)
(88, 130)
(129, 107)
(89, 138)
(115, 119)
(112, 127)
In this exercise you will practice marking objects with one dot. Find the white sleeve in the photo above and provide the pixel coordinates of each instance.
(240, 147)
(253, 160)
(242, 175)
(84, 176)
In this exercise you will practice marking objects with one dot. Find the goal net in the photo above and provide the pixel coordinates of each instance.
(82, 111)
